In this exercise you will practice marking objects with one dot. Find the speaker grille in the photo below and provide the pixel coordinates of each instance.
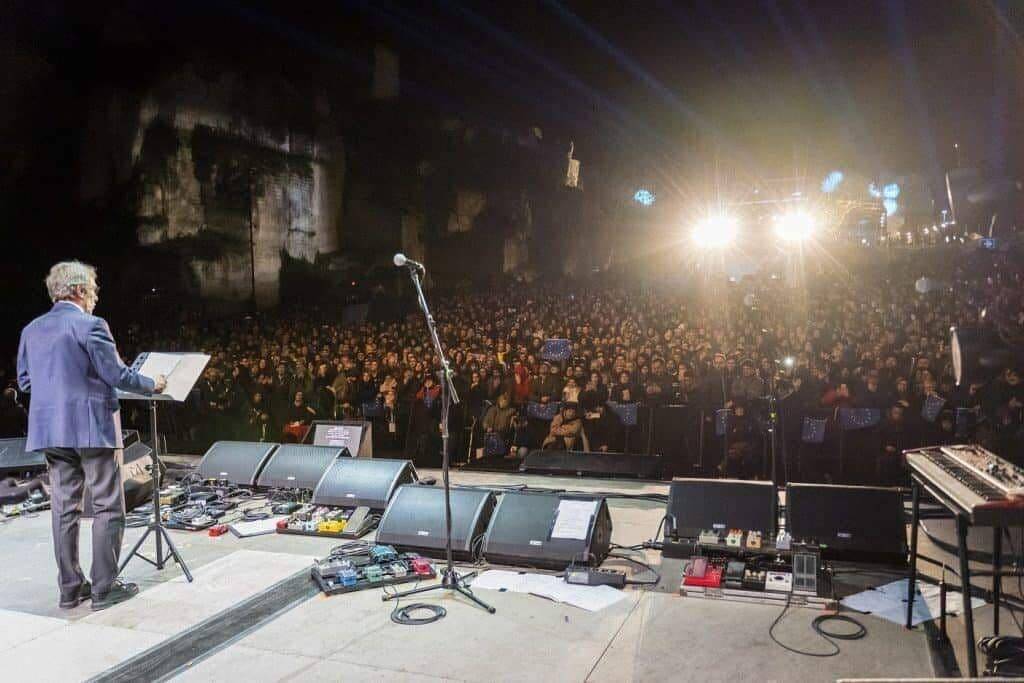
(351, 482)
(239, 462)
(859, 519)
(298, 466)
(721, 504)
(415, 518)
(14, 457)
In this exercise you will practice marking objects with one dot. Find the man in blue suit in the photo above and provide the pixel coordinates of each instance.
(68, 362)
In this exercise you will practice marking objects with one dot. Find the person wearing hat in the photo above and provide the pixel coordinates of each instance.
(566, 428)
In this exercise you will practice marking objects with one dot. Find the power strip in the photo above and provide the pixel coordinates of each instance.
(588, 576)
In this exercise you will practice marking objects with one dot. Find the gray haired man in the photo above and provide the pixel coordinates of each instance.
(68, 362)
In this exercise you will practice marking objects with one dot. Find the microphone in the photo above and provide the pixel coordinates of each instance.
(400, 260)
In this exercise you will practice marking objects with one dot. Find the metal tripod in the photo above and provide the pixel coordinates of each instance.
(156, 526)
(450, 579)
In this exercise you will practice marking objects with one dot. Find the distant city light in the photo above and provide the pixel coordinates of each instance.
(831, 182)
(644, 197)
(715, 231)
(891, 191)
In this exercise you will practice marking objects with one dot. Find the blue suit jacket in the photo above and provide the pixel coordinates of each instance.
(68, 362)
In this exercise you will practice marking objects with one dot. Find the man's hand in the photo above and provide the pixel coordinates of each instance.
(159, 384)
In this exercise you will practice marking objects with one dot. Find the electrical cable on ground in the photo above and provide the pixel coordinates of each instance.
(818, 626)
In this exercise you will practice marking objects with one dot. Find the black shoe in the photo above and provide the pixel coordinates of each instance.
(84, 592)
(118, 593)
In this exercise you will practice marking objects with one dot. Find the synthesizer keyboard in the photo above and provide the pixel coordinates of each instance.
(985, 487)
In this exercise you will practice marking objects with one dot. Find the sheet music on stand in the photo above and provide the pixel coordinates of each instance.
(182, 371)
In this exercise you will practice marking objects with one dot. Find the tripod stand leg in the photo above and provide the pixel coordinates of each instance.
(413, 591)
(462, 590)
(172, 551)
(133, 551)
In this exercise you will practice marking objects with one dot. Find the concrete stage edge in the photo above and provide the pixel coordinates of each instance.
(653, 635)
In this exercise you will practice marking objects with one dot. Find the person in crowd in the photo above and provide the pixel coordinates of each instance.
(498, 423)
(423, 445)
(748, 386)
(300, 416)
(13, 416)
(648, 342)
(565, 431)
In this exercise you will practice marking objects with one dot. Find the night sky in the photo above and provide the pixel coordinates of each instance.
(875, 85)
(647, 89)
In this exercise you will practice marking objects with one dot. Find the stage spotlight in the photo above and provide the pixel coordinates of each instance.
(794, 226)
(789, 362)
(715, 231)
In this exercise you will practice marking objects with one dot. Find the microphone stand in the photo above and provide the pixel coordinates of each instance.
(450, 579)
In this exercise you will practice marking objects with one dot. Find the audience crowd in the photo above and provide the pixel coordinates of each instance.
(734, 359)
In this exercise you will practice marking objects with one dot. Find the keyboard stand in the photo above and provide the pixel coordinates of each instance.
(962, 524)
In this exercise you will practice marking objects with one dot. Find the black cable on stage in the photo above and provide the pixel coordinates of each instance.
(640, 563)
(402, 615)
(818, 626)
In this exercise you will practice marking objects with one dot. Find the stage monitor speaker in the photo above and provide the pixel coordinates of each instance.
(14, 459)
(298, 466)
(603, 464)
(355, 435)
(414, 520)
(355, 482)
(137, 475)
(550, 530)
(854, 522)
(696, 505)
(237, 462)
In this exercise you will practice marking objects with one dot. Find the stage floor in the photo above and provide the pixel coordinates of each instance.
(653, 635)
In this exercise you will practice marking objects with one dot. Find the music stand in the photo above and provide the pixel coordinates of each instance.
(182, 371)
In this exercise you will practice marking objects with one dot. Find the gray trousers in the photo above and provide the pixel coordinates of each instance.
(70, 470)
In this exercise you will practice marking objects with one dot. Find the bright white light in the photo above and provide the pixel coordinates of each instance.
(715, 231)
(795, 226)
(788, 361)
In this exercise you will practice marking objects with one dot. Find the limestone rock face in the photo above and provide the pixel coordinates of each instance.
(230, 195)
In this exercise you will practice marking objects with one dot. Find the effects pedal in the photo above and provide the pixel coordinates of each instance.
(754, 540)
(335, 526)
(373, 573)
(734, 574)
(218, 530)
(708, 537)
(805, 572)
(285, 508)
(754, 579)
(734, 539)
(383, 553)
(700, 573)
(783, 541)
(421, 566)
(588, 576)
(332, 567)
(779, 582)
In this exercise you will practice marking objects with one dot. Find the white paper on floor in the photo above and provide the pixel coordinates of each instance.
(590, 598)
(890, 602)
